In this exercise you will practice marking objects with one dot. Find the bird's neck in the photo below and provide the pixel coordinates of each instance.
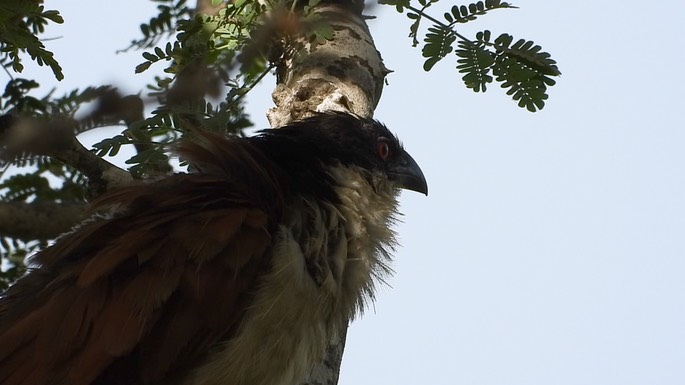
(348, 241)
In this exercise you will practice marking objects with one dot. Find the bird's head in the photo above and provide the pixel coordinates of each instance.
(338, 138)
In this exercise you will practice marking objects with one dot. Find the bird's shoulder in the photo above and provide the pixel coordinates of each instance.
(158, 279)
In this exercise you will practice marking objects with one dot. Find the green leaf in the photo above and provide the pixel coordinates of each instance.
(399, 5)
(54, 16)
(475, 62)
(142, 67)
(146, 161)
(529, 53)
(150, 57)
(439, 42)
(110, 146)
(20, 24)
(466, 13)
(483, 36)
(523, 83)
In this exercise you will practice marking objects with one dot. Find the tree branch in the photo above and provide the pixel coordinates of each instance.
(38, 220)
(112, 109)
(55, 138)
(345, 73)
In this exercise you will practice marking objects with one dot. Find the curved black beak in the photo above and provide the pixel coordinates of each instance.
(407, 173)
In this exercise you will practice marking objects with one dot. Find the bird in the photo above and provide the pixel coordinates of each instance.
(239, 271)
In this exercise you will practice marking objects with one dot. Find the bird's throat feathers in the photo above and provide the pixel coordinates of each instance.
(331, 248)
(362, 202)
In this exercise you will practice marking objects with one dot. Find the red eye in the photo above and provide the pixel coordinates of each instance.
(383, 149)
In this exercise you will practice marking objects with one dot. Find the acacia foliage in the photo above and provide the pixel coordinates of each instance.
(521, 67)
(20, 23)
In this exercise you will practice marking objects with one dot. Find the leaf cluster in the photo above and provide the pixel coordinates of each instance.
(204, 47)
(215, 38)
(37, 177)
(521, 67)
(14, 252)
(35, 186)
(45, 179)
(236, 47)
(163, 25)
(206, 51)
(20, 24)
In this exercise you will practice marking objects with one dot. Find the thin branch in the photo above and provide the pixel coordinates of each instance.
(8, 72)
(101, 174)
(38, 220)
(114, 108)
(55, 138)
(254, 83)
(439, 23)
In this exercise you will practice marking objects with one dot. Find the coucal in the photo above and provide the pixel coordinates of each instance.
(237, 273)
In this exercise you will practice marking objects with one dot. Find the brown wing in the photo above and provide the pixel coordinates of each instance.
(138, 298)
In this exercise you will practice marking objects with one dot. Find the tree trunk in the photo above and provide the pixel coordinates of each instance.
(346, 74)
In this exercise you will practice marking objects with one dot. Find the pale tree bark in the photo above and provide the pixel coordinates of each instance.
(345, 74)
(342, 74)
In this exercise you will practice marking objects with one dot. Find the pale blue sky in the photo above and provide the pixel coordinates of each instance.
(551, 249)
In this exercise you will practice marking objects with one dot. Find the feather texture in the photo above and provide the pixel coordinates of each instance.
(157, 284)
(237, 274)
